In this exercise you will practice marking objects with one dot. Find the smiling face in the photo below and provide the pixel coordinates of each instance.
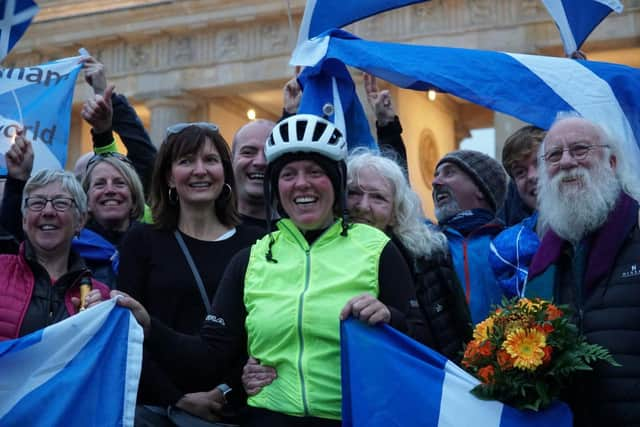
(568, 134)
(525, 175)
(370, 199)
(51, 231)
(306, 194)
(249, 163)
(198, 177)
(109, 197)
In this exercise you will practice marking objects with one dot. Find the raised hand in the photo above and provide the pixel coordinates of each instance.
(98, 112)
(19, 157)
(379, 100)
(94, 74)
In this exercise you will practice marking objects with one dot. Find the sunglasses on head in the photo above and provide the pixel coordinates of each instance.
(179, 127)
(113, 154)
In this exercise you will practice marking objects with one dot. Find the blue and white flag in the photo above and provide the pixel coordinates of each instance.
(322, 15)
(15, 17)
(388, 379)
(531, 88)
(576, 19)
(83, 371)
(38, 98)
(329, 91)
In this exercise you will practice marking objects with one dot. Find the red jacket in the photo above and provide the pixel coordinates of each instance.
(18, 281)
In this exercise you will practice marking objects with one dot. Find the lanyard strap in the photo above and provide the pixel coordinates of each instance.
(194, 270)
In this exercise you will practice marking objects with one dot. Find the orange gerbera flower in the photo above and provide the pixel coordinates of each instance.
(553, 312)
(486, 374)
(483, 329)
(526, 346)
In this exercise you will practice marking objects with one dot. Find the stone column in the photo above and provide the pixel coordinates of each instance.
(166, 112)
(504, 125)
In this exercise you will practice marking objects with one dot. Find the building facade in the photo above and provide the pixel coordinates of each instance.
(189, 60)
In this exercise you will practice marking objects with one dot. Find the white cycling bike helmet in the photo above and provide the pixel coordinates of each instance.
(308, 134)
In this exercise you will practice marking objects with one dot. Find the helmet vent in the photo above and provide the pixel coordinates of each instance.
(284, 131)
(318, 131)
(301, 126)
(335, 137)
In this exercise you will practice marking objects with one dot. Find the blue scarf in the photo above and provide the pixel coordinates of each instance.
(92, 246)
(465, 222)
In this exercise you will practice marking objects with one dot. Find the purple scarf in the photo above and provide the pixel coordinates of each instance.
(605, 244)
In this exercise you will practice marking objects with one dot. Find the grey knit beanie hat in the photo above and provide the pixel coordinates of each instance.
(486, 173)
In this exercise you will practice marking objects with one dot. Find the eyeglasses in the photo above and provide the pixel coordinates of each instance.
(179, 127)
(577, 151)
(59, 203)
(112, 154)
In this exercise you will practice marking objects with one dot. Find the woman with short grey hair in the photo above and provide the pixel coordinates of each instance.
(41, 284)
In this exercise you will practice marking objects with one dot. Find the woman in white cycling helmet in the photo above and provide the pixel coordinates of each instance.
(282, 300)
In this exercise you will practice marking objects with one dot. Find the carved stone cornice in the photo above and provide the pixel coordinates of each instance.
(195, 45)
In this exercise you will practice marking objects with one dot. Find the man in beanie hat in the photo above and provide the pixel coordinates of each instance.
(468, 189)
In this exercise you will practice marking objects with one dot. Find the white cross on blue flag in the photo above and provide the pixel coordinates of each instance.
(576, 19)
(38, 99)
(322, 15)
(530, 87)
(83, 371)
(388, 379)
(15, 17)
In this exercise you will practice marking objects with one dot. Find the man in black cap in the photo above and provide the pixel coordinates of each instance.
(468, 188)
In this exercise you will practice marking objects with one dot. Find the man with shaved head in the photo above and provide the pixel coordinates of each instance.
(590, 259)
(249, 165)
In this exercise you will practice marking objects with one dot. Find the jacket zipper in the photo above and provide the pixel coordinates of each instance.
(303, 386)
(307, 250)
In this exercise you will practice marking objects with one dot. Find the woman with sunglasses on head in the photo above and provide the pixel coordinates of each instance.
(41, 284)
(173, 266)
(116, 204)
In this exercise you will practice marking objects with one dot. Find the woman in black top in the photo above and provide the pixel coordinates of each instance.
(193, 202)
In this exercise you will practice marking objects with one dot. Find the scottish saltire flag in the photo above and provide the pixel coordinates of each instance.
(15, 17)
(38, 98)
(576, 19)
(328, 90)
(388, 379)
(83, 371)
(322, 15)
(531, 88)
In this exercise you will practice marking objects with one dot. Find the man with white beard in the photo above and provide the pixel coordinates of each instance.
(590, 259)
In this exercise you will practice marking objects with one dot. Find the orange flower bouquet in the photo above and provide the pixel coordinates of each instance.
(526, 351)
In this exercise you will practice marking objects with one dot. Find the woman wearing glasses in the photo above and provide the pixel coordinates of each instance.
(173, 267)
(115, 203)
(40, 285)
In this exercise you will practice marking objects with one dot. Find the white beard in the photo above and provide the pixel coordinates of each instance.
(575, 210)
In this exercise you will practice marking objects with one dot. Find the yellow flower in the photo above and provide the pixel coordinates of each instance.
(529, 305)
(483, 329)
(526, 348)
